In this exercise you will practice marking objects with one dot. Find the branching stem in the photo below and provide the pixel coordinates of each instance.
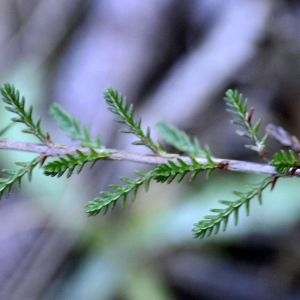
(60, 150)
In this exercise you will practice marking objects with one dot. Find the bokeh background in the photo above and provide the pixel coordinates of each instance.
(174, 60)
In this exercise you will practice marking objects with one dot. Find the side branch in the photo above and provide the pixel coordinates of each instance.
(53, 150)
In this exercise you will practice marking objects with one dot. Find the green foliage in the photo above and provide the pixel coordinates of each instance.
(70, 162)
(108, 202)
(118, 105)
(174, 166)
(239, 107)
(72, 126)
(165, 172)
(284, 162)
(180, 140)
(162, 173)
(17, 106)
(168, 172)
(15, 176)
(213, 222)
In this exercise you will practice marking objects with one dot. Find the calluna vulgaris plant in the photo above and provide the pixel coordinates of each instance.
(167, 166)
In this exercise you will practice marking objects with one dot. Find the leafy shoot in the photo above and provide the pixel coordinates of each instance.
(16, 105)
(118, 105)
(212, 223)
(286, 162)
(239, 107)
(15, 176)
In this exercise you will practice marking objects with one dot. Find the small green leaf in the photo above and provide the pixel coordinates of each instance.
(256, 126)
(138, 143)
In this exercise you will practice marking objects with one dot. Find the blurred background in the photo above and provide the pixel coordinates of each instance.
(174, 60)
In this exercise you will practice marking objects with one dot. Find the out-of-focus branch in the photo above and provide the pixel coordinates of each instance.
(283, 137)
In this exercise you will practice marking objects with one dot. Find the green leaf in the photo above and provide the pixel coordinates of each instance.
(6, 128)
(179, 139)
(73, 127)
(256, 127)
(284, 161)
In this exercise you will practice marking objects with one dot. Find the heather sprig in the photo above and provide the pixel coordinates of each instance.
(166, 167)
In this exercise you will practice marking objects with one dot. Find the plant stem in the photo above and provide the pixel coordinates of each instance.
(60, 150)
